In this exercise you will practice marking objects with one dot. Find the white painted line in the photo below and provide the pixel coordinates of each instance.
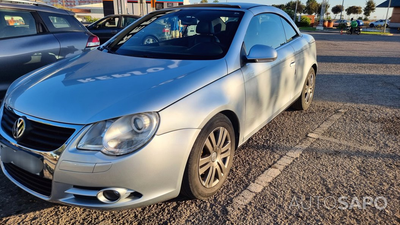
(350, 144)
(265, 178)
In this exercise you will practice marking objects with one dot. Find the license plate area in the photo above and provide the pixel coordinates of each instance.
(24, 160)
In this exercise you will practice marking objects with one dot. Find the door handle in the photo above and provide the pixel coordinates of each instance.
(293, 63)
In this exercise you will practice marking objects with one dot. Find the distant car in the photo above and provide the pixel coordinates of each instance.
(33, 35)
(379, 23)
(337, 22)
(131, 123)
(360, 23)
(110, 25)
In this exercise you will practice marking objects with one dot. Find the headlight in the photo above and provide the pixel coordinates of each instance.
(121, 136)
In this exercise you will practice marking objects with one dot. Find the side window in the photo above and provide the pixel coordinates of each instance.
(16, 23)
(110, 22)
(128, 20)
(60, 23)
(289, 31)
(265, 29)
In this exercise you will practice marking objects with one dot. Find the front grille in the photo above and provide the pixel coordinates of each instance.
(34, 182)
(41, 136)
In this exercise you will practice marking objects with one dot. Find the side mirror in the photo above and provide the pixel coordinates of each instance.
(262, 53)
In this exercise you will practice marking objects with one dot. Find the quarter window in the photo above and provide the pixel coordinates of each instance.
(61, 23)
(289, 31)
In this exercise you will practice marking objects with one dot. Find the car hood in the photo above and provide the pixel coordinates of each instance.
(97, 86)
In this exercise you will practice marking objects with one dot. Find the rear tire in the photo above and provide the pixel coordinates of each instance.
(307, 94)
(210, 160)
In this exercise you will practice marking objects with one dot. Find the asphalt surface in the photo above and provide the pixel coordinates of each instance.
(347, 173)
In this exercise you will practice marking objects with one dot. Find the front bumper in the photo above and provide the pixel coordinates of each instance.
(151, 174)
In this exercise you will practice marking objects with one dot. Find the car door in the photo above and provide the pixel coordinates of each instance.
(69, 32)
(25, 45)
(106, 28)
(300, 47)
(269, 85)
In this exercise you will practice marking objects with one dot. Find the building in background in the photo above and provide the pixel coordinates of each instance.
(92, 10)
(71, 3)
(138, 7)
(395, 4)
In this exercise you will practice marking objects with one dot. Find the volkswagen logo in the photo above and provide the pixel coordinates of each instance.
(19, 128)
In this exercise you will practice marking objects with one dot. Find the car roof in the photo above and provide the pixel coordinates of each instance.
(129, 15)
(33, 6)
(231, 5)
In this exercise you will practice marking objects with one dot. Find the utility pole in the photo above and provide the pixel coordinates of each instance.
(387, 12)
(321, 17)
(342, 9)
(295, 11)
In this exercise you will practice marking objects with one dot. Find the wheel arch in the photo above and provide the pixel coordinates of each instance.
(315, 67)
(235, 123)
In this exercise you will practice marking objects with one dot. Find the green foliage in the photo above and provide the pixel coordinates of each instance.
(289, 12)
(311, 7)
(353, 10)
(327, 6)
(90, 19)
(203, 1)
(369, 8)
(281, 6)
(304, 22)
(215, 1)
(292, 5)
(337, 9)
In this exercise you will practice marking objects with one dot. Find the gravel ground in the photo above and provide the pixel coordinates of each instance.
(356, 158)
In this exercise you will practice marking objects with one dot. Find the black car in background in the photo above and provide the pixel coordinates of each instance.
(35, 34)
(108, 26)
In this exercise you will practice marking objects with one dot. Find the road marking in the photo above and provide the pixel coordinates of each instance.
(350, 144)
(268, 175)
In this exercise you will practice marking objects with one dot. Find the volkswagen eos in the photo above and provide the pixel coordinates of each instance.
(137, 122)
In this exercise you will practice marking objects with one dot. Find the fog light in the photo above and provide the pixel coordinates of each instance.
(112, 195)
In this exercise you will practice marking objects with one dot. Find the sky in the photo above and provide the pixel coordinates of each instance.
(380, 13)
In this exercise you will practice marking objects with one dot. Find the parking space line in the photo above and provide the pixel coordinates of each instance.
(268, 175)
(350, 144)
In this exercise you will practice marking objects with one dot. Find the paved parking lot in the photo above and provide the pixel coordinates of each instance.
(344, 156)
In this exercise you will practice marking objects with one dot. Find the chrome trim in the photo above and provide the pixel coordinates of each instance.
(50, 158)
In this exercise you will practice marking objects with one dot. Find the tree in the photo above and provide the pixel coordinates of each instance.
(369, 8)
(337, 9)
(311, 7)
(292, 5)
(215, 1)
(281, 6)
(353, 10)
(320, 8)
(203, 1)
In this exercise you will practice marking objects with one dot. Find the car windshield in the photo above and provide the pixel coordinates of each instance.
(180, 34)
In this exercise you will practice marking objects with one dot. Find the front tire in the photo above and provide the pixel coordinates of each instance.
(210, 160)
(307, 94)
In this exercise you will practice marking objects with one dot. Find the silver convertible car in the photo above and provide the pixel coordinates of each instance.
(137, 122)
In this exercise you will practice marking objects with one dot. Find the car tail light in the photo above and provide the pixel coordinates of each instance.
(93, 41)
